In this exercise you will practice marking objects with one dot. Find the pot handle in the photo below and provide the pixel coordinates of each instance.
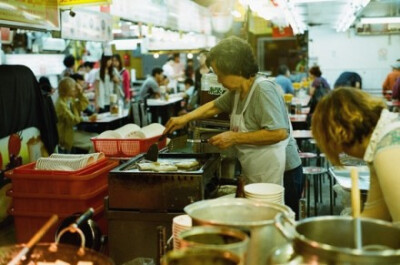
(280, 221)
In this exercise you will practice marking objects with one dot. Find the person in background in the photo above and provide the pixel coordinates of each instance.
(151, 87)
(259, 131)
(351, 121)
(47, 92)
(69, 105)
(319, 88)
(283, 79)
(396, 90)
(189, 102)
(390, 80)
(174, 70)
(189, 71)
(81, 70)
(88, 94)
(199, 72)
(349, 79)
(107, 83)
(124, 75)
(69, 62)
(90, 77)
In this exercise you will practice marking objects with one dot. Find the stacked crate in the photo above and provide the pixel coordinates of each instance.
(38, 194)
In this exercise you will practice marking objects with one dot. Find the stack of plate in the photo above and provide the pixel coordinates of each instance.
(266, 192)
(180, 223)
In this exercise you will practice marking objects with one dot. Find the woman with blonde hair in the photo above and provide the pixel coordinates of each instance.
(69, 105)
(351, 121)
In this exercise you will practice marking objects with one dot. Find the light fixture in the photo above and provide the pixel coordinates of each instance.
(380, 20)
(156, 55)
(190, 55)
(292, 16)
(349, 14)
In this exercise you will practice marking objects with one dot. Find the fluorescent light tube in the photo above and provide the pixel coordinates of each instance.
(380, 20)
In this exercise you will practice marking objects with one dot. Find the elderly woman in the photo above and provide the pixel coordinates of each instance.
(69, 105)
(259, 125)
(351, 121)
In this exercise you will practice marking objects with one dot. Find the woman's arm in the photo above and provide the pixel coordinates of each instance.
(387, 183)
(205, 111)
(260, 137)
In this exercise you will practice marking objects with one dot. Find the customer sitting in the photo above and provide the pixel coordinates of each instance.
(190, 97)
(283, 79)
(349, 79)
(151, 87)
(69, 105)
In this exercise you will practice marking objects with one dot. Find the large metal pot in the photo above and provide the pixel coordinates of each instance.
(211, 237)
(47, 253)
(330, 240)
(253, 217)
(200, 257)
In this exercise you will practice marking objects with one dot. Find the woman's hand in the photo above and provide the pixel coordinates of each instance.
(223, 140)
(175, 123)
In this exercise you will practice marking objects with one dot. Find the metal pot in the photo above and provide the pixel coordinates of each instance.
(330, 240)
(200, 257)
(253, 217)
(47, 253)
(222, 238)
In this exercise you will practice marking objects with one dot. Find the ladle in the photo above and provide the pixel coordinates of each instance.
(39, 234)
(355, 204)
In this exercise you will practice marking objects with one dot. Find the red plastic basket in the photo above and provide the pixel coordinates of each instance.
(125, 147)
(27, 223)
(54, 203)
(48, 182)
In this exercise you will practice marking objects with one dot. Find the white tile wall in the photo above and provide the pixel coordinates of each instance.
(369, 56)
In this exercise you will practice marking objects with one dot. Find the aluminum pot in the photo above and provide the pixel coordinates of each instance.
(211, 237)
(255, 218)
(330, 240)
(200, 257)
(46, 252)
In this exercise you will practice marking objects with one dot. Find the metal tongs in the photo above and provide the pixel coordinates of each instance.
(74, 228)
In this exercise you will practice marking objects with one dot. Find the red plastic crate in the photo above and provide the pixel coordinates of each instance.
(125, 147)
(48, 182)
(27, 223)
(58, 204)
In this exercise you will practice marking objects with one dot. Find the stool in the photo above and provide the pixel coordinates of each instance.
(315, 172)
(306, 157)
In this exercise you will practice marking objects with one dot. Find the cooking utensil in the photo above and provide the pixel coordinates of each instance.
(152, 152)
(39, 234)
(249, 216)
(200, 257)
(355, 204)
(325, 240)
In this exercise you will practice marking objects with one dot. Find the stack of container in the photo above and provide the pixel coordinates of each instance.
(37, 194)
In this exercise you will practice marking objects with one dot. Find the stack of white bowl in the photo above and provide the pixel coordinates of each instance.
(265, 192)
(180, 223)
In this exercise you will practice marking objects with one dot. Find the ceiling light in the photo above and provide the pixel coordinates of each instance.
(292, 16)
(380, 20)
(350, 13)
